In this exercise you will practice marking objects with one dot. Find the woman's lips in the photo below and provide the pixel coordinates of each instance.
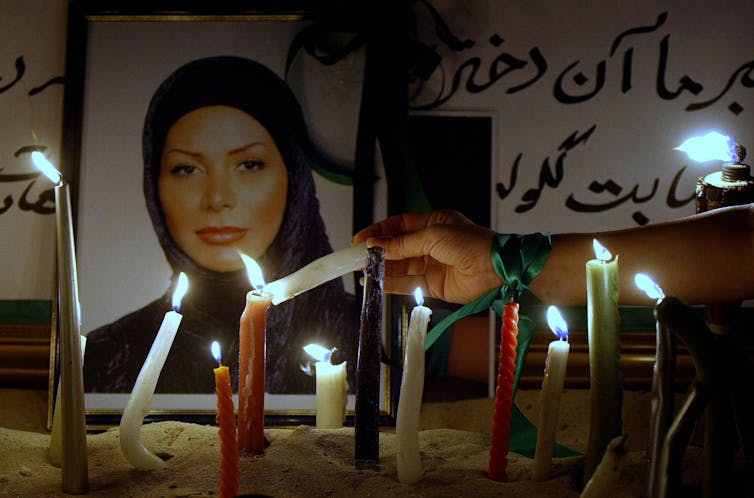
(221, 235)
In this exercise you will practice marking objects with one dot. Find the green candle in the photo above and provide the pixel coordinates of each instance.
(606, 392)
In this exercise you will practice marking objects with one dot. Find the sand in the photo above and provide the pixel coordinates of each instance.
(304, 461)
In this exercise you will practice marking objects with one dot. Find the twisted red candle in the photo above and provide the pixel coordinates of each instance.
(501, 423)
(251, 374)
(226, 419)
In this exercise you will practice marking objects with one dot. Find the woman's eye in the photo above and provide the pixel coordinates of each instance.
(184, 170)
(251, 165)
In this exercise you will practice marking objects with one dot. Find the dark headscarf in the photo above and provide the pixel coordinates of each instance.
(325, 314)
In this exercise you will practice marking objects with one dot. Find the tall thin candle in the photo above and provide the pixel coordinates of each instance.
(412, 389)
(603, 324)
(251, 366)
(501, 422)
(552, 389)
(226, 419)
(141, 395)
(662, 389)
(74, 463)
(367, 412)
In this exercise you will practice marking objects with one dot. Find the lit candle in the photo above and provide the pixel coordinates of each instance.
(412, 388)
(709, 147)
(74, 462)
(501, 421)
(226, 419)
(552, 388)
(367, 410)
(603, 324)
(332, 388)
(141, 396)
(717, 378)
(317, 272)
(251, 365)
(662, 388)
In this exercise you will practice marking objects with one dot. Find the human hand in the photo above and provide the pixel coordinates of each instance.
(443, 252)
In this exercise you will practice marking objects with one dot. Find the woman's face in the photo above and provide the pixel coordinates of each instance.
(223, 186)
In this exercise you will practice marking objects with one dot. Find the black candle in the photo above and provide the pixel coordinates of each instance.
(367, 409)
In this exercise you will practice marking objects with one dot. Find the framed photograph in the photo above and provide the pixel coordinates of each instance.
(192, 136)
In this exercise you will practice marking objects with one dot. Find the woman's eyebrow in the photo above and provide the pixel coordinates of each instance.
(249, 146)
(183, 151)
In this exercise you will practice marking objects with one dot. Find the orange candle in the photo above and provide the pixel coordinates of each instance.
(501, 423)
(251, 373)
(226, 419)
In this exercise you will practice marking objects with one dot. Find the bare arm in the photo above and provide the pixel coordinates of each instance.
(702, 258)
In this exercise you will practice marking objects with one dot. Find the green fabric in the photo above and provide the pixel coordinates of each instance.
(25, 312)
(517, 260)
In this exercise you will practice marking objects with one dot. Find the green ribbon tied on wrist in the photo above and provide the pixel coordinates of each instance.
(517, 260)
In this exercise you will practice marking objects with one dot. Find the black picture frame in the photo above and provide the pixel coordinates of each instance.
(84, 18)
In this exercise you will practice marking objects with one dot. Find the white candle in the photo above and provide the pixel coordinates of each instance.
(332, 388)
(318, 272)
(412, 388)
(549, 399)
(74, 461)
(607, 474)
(603, 323)
(662, 390)
(141, 396)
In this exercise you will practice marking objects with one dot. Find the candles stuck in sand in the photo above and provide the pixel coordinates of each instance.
(501, 421)
(74, 460)
(367, 411)
(552, 389)
(251, 367)
(412, 389)
(603, 324)
(332, 388)
(226, 419)
(141, 396)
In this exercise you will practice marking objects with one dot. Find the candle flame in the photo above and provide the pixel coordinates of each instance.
(645, 283)
(556, 323)
(319, 353)
(215, 347)
(419, 296)
(601, 251)
(709, 147)
(254, 271)
(46, 167)
(180, 290)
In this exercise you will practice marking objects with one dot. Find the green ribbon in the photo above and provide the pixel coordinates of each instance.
(517, 260)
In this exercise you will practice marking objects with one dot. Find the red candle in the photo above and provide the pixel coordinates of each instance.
(501, 423)
(251, 373)
(226, 419)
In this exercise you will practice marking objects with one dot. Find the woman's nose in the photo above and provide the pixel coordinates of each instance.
(219, 193)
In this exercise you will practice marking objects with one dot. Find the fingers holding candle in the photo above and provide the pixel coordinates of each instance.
(442, 252)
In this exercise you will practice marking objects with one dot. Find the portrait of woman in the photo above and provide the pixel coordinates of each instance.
(227, 169)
